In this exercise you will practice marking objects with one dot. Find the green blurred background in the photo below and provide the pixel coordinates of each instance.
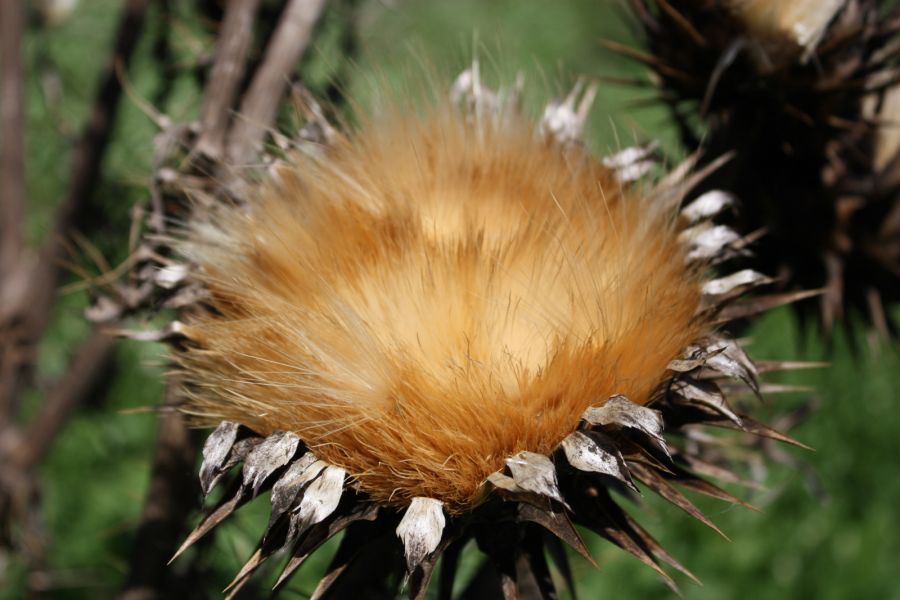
(835, 535)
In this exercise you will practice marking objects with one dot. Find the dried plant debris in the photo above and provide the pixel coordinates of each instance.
(458, 325)
(804, 94)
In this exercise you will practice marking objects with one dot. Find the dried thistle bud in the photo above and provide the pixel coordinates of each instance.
(803, 94)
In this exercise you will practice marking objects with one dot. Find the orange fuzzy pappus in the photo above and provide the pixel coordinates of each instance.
(432, 296)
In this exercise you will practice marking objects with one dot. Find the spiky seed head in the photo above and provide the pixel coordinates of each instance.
(456, 324)
(803, 94)
(431, 297)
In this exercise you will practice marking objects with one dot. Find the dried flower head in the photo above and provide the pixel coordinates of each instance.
(801, 93)
(413, 302)
(453, 324)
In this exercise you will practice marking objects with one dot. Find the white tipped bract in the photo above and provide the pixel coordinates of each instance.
(420, 529)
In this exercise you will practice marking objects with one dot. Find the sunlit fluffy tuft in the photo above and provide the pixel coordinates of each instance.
(431, 297)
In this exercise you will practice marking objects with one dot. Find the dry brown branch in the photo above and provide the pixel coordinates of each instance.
(170, 496)
(26, 322)
(225, 78)
(85, 374)
(29, 283)
(20, 515)
(12, 163)
(261, 101)
(12, 184)
(87, 157)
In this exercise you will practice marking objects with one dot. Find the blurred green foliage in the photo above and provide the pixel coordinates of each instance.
(838, 542)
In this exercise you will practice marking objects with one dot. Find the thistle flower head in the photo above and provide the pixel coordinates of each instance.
(432, 296)
(457, 324)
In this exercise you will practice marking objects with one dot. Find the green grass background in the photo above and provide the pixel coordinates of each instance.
(839, 543)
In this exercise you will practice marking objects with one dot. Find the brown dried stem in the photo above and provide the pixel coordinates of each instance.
(12, 184)
(87, 159)
(170, 496)
(84, 376)
(12, 162)
(28, 318)
(20, 518)
(225, 78)
(28, 284)
(261, 101)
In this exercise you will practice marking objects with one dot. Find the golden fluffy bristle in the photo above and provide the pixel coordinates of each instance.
(433, 296)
